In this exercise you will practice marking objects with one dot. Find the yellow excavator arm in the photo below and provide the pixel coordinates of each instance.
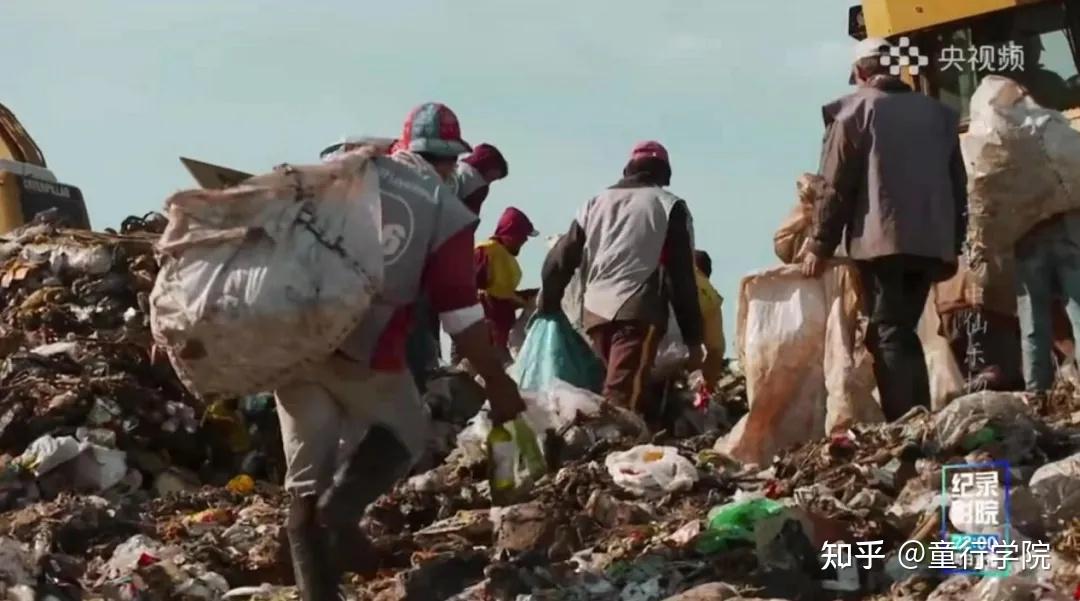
(27, 187)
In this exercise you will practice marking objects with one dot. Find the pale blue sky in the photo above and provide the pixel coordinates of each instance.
(115, 90)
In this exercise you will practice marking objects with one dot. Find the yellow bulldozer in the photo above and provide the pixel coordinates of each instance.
(27, 186)
(1031, 41)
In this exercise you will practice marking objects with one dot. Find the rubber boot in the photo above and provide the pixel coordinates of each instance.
(316, 578)
(378, 462)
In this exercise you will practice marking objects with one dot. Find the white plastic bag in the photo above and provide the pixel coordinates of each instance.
(99, 468)
(649, 470)
(264, 279)
(553, 409)
(1023, 164)
(672, 352)
(805, 368)
(49, 452)
(93, 467)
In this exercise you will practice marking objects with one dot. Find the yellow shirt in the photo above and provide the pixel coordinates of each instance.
(712, 321)
(504, 273)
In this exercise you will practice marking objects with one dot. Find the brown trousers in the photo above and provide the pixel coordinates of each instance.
(628, 349)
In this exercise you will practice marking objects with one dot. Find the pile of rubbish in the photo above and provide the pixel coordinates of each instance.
(116, 483)
(105, 455)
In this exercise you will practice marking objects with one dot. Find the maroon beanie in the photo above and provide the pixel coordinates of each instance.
(485, 158)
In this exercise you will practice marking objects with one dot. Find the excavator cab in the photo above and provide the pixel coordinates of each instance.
(1033, 42)
(27, 187)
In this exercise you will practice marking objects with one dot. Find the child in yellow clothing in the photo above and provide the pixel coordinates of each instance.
(712, 319)
(498, 274)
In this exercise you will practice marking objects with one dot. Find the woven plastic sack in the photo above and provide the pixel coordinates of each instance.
(553, 350)
(1023, 164)
(259, 281)
(807, 371)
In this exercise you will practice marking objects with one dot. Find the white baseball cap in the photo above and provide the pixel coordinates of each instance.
(871, 47)
(868, 48)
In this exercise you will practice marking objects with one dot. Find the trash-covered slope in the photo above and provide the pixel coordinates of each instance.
(118, 484)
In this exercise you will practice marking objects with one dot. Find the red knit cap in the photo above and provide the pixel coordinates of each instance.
(650, 149)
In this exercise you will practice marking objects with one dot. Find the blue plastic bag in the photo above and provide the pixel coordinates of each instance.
(553, 350)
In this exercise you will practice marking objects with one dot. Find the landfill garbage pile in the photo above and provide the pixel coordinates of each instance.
(669, 518)
(78, 382)
(99, 441)
(118, 484)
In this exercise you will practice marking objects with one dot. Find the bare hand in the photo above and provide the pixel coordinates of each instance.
(505, 399)
(812, 265)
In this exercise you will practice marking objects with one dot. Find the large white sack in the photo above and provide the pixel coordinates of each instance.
(1023, 165)
(259, 281)
(806, 369)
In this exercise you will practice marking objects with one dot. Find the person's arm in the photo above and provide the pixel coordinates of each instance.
(680, 272)
(480, 264)
(841, 167)
(958, 174)
(788, 240)
(559, 267)
(450, 283)
(475, 200)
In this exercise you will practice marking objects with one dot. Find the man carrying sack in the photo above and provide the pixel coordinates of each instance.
(361, 404)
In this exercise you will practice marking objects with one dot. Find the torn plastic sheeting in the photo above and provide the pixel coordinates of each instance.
(131, 553)
(1016, 430)
(649, 470)
(1055, 488)
(804, 366)
(91, 259)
